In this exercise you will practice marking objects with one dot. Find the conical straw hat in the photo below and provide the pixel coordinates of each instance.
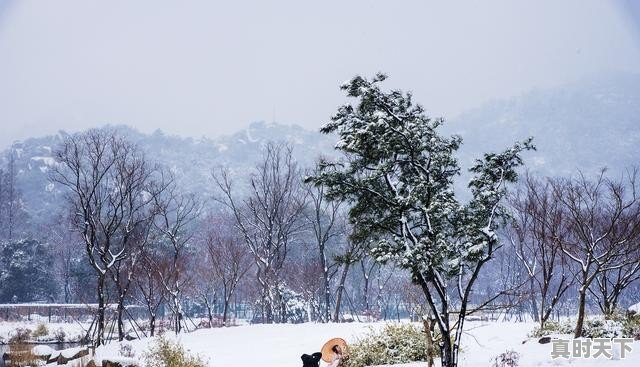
(327, 349)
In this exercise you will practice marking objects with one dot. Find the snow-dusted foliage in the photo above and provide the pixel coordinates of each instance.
(399, 176)
(25, 272)
(393, 344)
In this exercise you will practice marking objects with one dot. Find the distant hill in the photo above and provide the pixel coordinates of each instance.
(586, 125)
(191, 160)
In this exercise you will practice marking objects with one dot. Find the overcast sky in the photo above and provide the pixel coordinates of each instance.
(211, 67)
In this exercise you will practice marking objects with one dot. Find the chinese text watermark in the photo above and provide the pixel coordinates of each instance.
(590, 348)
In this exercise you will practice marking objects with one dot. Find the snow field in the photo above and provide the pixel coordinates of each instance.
(282, 345)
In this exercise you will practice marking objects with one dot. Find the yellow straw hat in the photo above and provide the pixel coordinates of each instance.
(327, 349)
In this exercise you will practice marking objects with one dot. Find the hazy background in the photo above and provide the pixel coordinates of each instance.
(209, 68)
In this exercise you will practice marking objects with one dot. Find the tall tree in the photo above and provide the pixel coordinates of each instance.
(122, 272)
(601, 228)
(323, 218)
(151, 291)
(269, 219)
(230, 260)
(538, 224)
(353, 251)
(399, 175)
(12, 211)
(107, 180)
(175, 219)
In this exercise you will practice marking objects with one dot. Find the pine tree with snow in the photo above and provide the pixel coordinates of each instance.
(398, 174)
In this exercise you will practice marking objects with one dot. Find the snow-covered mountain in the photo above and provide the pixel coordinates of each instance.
(585, 125)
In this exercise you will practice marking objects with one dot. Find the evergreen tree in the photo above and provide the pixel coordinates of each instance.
(25, 274)
(398, 175)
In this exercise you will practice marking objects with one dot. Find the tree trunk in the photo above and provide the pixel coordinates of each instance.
(225, 311)
(209, 312)
(365, 293)
(120, 322)
(534, 303)
(178, 313)
(152, 324)
(343, 277)
(429, 337)
(447, 357)
(327, 286)
(101, 306)
(581, 310)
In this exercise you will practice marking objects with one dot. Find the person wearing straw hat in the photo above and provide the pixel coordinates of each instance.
(333, 351)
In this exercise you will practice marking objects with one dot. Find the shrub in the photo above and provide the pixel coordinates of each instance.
(40, 331)
(59, 335)
(395, 343)
(599, 328)
(509, 358)
(553, 327)
(166, 353)
(126, 350)
(614, 327)
(20, 335)
(631, 328)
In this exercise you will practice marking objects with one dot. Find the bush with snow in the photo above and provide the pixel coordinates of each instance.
(40, 331)
(167, 353)
(615, 327)
(59, 335)
(395, 343)
(19, 335)
(553, 327)
(601, 328)
(509, 358)
(126, 350)
(631, 328)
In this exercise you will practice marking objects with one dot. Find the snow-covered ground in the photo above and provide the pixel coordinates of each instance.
(282, 345)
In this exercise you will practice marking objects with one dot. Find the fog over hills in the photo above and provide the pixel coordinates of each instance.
(586, 125)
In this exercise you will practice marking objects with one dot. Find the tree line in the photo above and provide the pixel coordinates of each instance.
(384, 224)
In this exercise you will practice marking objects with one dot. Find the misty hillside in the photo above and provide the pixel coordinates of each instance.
(191, 160)
(585, 125)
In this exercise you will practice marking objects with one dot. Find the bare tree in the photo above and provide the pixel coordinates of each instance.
(322, 217)
(107, 179)
(602, 223)
(151, 290)
(122, 273)
(269, 219)
(352, 253)
(176, 213)
(66, 242)
(368, 267)
(612, 282)
(206, 284)
(538, 223)
(230, 260)
(304, 276)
